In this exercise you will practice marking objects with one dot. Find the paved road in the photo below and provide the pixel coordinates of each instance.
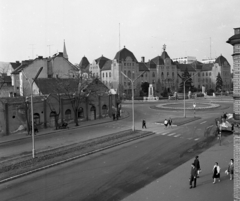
(65, 137)
(108, 175)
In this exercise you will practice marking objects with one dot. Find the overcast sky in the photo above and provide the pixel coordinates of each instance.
(91, 28)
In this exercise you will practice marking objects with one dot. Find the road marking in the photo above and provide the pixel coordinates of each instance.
(177, 135)
(171, 134)
(164, 133)
(203, 122)
(196, 139)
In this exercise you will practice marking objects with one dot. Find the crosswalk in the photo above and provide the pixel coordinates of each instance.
(173, 134)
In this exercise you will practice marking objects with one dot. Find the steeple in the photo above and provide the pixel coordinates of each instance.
(65, 51)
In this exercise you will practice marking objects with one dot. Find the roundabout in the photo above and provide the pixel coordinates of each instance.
(188, 106)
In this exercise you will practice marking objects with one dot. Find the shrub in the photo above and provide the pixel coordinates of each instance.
(200, 95)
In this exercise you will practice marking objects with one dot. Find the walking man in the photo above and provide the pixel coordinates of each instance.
(230, 169)
(166, 123)
(197, 165)
(193, 176)
(216, 172)
(144, 124)
(170, 122)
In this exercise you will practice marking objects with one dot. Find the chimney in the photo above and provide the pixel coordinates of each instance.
(143, 59)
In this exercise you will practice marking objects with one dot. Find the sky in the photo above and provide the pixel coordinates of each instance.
(92, 28)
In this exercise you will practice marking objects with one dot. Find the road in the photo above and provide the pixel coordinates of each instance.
(115, 173)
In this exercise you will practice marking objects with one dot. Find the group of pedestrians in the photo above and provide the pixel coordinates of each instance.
(168, 122)
(195, 171)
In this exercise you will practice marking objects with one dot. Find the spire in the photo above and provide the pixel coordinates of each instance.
(65, 51)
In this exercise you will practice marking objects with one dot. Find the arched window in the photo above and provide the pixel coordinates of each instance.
(104, 110)
(68, 114)
(102, 74)
(80, 113)
(106, 74)
(36, 118)
(109, 74)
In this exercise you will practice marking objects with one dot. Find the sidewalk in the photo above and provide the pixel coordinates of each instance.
(45, 131)
(174, 186)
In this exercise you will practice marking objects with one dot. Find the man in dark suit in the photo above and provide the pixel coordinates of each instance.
(193, 176)
(197, 165)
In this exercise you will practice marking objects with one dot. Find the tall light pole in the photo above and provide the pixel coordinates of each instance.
(184, 94)
(33, 142)
(132, 82)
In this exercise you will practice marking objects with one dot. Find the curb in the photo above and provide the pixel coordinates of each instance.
(57, 131)
(76, 157)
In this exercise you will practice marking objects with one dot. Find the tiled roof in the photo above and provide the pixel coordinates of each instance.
(66, 86)
(15, 64)
(22, 66)
(165, 55)
(101, 61)
(107, 65)
(56, 86)
(123, 54)
(220, 60)
(182, 67)
(5, 79)
(207, 67)
(157, 60)
(143, 66)
(84, 63)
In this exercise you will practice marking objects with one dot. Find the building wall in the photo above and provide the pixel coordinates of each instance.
(94, 68)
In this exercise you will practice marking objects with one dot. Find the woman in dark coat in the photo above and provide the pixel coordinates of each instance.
(216, 173)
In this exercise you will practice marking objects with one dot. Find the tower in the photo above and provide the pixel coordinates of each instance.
(65, 51)
(235, 42)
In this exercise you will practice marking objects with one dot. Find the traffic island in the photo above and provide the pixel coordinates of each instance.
(24, 165)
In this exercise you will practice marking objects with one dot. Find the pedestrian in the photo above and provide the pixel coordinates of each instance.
(144, 124)
(193, 176)
(197, 165)
(216, 172)
(166, 123)
(170, 122)
(230, 169)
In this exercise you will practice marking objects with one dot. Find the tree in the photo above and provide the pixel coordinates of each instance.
(188, 84)
(219, 82)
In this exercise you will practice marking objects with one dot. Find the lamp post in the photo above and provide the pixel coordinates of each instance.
(184, 82)
(132, 82)
(33, 142)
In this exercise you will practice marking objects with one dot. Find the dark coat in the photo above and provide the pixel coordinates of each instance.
(193, 172)
(197, 164)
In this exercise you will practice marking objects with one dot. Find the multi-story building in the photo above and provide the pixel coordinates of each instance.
(185, 60)
(97, 65)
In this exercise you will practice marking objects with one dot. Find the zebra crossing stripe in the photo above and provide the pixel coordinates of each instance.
(164, 133)
(177, 135)
(171, 134)
(196, 139)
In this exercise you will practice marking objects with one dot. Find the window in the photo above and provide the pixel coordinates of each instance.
(106, 74)
(67, 114)
(153, 74)
(209, 73)
(104, 110)
(109, 74)
(36, 118)
(129, 74)
(202, 74)
(102, 75)
(80, 113)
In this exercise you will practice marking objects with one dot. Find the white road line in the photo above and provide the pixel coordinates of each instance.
(177, 135)
(164, 133)
(171, 134)
(203, 122)
(196, 139)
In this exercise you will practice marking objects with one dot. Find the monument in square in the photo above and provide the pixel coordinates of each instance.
(150, 94)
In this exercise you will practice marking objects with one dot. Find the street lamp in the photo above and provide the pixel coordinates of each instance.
(132, 82)
(33, 142)
(184, 94)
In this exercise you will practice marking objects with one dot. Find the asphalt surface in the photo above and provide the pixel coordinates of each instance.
(115, 173)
